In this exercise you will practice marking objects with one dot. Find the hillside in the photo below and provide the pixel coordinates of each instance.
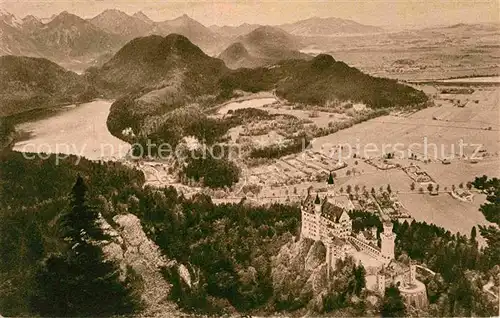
(143, 17)
(155, 62)
(31, 23)
(162, 74)
(27, 83)
(263, 46)
(157, 74)
(15, 41)
(322, 80)
(68, 35)
(328, 26)
(237, 56)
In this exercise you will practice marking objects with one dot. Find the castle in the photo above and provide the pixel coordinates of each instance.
(325, 218)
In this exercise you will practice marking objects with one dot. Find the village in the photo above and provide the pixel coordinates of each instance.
(432, 185)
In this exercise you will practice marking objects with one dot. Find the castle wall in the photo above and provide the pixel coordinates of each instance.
(415, 295)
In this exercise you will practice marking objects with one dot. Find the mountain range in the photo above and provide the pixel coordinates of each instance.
(77, 43)
(120, 23)
(153, 75)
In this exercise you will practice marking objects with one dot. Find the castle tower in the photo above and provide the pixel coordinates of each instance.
(330, 184)
(381, 281)
(387, 238)
(329, 257)
(413, 273)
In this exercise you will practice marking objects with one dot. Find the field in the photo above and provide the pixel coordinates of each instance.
(248, 103)
(436, 53)
(461, 130)
(477, 123)
(443, 125)
(443, 210)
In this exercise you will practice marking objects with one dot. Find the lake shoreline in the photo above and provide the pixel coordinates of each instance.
(80, 130)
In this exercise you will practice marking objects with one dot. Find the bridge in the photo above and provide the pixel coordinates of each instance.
(426, 269)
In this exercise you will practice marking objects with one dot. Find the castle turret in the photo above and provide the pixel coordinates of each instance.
(317, 205)
(387, 238)
(381, 281)
(413, 273)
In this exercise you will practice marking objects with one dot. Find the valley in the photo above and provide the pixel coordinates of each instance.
(154, 166)
(433, 135)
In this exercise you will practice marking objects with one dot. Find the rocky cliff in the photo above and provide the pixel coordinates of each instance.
(299, 273)
(133, 250)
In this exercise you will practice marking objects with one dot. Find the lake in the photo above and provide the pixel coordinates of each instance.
(251, 103)
(78, 130)
(485, 79)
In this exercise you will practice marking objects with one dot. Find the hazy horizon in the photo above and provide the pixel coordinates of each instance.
(374, 12)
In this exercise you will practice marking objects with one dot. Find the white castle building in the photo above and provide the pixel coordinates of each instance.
(325, 218)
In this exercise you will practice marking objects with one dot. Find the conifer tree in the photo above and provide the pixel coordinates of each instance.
(393, 304)
(79, 225)
(330, 179)
(80, 281)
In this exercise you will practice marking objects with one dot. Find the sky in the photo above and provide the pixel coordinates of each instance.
(234, 12)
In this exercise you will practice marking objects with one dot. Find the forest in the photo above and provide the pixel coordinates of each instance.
(227, 249)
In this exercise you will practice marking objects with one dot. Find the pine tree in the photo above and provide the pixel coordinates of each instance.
(360, 279)
(473, 234)
(430, 187)
(79, 225)
(330, 179)
(393, 304)
(80, 281)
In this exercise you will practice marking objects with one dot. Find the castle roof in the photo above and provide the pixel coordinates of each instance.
(308, 202)
(331, 211)
(335, 240)
(396, 268)
(317, 200)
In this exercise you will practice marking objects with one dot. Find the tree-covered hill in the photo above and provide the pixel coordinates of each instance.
(321, 80)
(27, 83)
(263, 46)
(154, 62)
(161, 74)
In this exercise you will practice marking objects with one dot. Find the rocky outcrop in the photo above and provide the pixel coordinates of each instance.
(299, 272)
(132, 249)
